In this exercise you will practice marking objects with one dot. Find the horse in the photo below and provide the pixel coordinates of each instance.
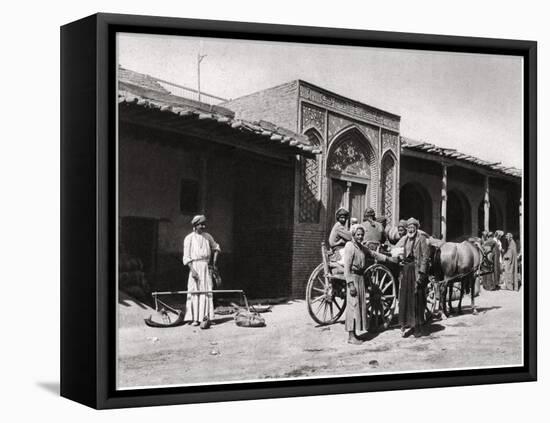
(453, 262)
(459, 262)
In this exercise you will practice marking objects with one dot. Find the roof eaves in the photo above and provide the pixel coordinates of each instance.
(296, 141)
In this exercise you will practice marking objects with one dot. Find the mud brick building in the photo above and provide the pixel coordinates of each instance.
(269, 169)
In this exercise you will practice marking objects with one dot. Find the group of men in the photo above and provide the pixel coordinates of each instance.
(355, 248)
(504, 254)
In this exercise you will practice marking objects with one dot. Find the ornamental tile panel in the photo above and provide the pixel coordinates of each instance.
(313, 117)
(349, 107)
(390, 141)
(349, 158)
(309, 191)
(388, 178)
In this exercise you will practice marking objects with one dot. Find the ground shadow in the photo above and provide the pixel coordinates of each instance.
(339, 322)
(368, 336)
(485, 309)
(221, 320)
(127, 300)
(468, 310)
(51, 387)
(432, 328)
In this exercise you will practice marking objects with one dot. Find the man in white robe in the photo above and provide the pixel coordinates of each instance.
(200, 253)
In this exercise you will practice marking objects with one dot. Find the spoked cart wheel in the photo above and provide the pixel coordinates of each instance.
(381, 296)
(325, 296)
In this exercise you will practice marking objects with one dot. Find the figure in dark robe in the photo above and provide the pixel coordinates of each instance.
(510, 259)
(414, 280)
(491, 280)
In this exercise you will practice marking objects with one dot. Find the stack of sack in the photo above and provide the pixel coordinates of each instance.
(131, 278)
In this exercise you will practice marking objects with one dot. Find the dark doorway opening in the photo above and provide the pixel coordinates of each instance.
(459, 220)
(139, 239)
(415, 201)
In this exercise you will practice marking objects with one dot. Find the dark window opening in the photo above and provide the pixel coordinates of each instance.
(189, 197)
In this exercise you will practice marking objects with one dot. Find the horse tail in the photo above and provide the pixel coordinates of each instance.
(437, 269)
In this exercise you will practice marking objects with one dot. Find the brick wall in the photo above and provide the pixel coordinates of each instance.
(277, 105)
(306, 256)
(263, 216)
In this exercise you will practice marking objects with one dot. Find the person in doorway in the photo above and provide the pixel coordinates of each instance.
(339, 234)
(200, 253)
(355, 264)
(510, 259)
(414, 279)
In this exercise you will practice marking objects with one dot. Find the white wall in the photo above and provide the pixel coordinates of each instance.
(30, 194)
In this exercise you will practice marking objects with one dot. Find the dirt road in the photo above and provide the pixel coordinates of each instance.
(292, 345)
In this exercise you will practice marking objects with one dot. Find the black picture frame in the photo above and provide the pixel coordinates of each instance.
(88, 110)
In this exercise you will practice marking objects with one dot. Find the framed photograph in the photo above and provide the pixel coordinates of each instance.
(259, 211)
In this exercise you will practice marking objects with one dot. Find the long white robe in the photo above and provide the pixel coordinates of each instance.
(197, 250)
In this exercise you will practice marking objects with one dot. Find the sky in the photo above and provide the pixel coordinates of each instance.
(471, 102)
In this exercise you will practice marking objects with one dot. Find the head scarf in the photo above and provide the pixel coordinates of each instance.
(342, 212)
(402, 223)
(356, 227)
(413, 221)
(200, 218)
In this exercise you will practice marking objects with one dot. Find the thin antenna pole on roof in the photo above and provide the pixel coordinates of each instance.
(199, 60)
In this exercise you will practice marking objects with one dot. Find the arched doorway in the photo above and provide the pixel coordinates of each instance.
(459, 216)
(415, 201)
(352, 173)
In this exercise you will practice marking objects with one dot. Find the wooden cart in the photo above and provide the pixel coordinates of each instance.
(326, 293)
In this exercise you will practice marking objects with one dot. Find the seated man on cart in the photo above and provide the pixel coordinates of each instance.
(337, 239)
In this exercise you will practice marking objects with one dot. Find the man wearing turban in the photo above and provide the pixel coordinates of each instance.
(491, 280)
(356, 261)
(510, 275)
(414, 279)
(339, 234)
(374, 231)
(200, 253)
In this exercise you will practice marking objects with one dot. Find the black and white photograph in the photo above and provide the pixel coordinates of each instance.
(293, 210)
(241, 211)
